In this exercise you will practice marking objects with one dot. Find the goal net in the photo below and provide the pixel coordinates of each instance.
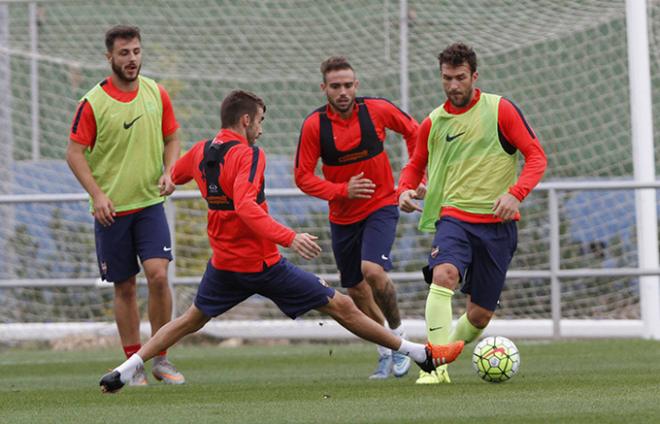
(564, 63)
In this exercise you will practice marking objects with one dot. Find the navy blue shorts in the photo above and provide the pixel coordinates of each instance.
(481, 252)
(368, 240)
(293, 290)
(143, 234)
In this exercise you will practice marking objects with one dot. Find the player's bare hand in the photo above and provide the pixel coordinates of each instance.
(166, 185)
(305, 245)
(420, 193)
(506, 207)
(360, 187)
(104, 210)
(407, 201)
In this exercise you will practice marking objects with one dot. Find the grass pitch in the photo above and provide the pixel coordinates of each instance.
(601, 381)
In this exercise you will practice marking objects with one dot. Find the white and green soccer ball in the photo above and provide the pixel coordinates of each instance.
(496, 359)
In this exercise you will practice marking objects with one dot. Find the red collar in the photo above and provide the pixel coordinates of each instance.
(459, 110)
(117, 94)
(228, 135)
(334, 116)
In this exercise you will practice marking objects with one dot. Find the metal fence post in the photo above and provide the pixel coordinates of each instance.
(555, 287)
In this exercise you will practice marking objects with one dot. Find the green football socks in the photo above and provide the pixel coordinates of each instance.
(464, 330)
(438, 314)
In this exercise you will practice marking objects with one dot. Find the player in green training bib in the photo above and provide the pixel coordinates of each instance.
(469, 147)
(123, 143)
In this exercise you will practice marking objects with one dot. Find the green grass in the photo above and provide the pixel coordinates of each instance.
(603, 381)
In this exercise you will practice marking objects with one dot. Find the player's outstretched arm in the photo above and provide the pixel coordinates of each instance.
(305, 245)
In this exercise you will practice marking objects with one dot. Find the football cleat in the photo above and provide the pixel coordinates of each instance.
(384, 368)
(437, 355)
(440, 375)
(139, 378)
(400, 364)
(166, 372)
(111, 382)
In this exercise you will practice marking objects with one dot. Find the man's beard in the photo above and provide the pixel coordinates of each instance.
(348, 107)
(122, 75)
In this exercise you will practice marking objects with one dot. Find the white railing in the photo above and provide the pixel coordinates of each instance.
(556, 327)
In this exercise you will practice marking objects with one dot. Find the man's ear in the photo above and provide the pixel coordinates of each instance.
(245, 120)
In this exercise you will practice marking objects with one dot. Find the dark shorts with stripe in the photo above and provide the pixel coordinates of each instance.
(293, 290)
(368, 240)
(481, 252)
(143, 234)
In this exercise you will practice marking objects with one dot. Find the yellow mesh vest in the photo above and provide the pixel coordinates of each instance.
(127, 158)
(467, 166)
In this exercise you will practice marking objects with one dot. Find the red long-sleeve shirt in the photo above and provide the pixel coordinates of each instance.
(347, 135)
(244, 239)
(515, 130)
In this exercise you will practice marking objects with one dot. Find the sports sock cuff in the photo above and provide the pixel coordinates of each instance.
(128, 368)
(399, 331)
(383, 351)
(160, 357)
(131, 349)
(415, 350)
(442, 291)
(465, 330)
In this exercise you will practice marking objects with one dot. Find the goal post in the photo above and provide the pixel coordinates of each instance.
(644, 160)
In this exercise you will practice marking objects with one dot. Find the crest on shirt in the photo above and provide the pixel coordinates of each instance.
(434, 251)
(323, 282)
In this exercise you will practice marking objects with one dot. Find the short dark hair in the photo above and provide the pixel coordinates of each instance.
(334, 63)
(238, 103)
(458, 54)
(121, 31)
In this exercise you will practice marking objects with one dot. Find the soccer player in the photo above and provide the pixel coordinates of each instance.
(348, 134)
(123, 142)
(469, 145)
(229, 172)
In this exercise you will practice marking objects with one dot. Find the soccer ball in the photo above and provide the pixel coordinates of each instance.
(496, 359)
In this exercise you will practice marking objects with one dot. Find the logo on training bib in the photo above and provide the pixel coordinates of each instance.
(450, 138)
(130, 124)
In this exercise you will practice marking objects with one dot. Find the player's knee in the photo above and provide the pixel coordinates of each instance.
(157, 280)
(193, 319)
(343, 306)
(360, 292)
(374, 274)
(480, 318)
(446, 276)
(126, 291)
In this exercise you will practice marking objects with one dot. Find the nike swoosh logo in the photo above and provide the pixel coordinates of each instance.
(383, 257)
(434, 328)
(166, 249)
(451, 138)
(130, 124)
